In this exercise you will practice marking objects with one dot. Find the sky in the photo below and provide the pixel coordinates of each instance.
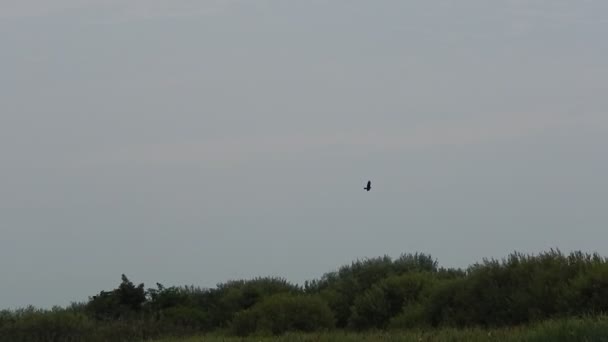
(196, 142)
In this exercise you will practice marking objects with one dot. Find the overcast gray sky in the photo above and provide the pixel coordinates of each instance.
(193, 142)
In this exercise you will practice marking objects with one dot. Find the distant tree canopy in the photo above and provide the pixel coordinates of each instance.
(126, 300)
(378, 293)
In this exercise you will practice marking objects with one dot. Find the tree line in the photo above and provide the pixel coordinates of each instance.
(409, 292)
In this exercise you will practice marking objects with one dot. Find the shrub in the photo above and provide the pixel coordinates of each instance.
(235, 296)
(589, 293)
(186, 318)
(284, 312)
(376, 306)
(39, 325)
(341, 288)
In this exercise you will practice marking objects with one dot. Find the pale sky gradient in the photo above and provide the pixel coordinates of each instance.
(193, 142)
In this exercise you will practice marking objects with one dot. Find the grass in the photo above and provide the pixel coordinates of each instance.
(580, 330)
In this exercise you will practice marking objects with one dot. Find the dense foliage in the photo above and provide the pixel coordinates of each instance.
(556, 330)
(410, 292)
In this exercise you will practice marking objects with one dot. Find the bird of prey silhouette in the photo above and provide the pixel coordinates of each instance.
(369, 186)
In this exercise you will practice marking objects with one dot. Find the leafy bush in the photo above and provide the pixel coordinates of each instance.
(235, 296)
(412, 316)
(451, 303)
(284, 312)
(40, 325)
(188, 318)
(387, 298)
(340, 289)
(589, 293)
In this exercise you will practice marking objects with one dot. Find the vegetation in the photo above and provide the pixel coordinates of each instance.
(558, 296)
(563, 330)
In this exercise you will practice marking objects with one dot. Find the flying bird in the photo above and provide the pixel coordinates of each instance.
(369, 186)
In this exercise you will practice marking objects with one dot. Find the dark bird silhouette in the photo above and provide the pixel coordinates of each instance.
(369, 186)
